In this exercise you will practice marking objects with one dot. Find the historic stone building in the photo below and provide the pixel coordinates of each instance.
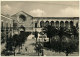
(6, 25)
(23, 19)
(6, 30)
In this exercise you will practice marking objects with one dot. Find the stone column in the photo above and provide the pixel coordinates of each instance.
(59, 24)
(69, 25)
(54, 24)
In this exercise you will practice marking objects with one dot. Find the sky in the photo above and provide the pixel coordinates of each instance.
(42, 8)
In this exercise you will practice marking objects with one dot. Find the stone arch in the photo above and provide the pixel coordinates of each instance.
(22, 28)
(57, 24)
(23, 17)
(35, 25)
(61, 24)
(77, 25)
(66, 24)
(71, 23)
(52, 23)
(42, 24)
(46, 23)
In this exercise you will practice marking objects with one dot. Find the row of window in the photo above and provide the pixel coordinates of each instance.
(5, 26)
(6, 31)
(57, 24)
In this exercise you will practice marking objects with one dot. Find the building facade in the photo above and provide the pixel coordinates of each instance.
(23, 21)
(30, 23)
(6, 30)
(6, 25)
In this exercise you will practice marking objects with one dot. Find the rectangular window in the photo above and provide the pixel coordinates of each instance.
(6, 26)
(1, 24)
(35, 25)
(10, 27)
(2, 27)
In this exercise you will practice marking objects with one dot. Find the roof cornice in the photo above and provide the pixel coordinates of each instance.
(56, 17)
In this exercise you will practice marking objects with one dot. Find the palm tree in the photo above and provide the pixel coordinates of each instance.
(50, 31)
(74, 32)
(66, 44)
(63, 42)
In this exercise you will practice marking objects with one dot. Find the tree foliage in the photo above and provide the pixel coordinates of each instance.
(16, 41)
(63, 40)
(49, 31)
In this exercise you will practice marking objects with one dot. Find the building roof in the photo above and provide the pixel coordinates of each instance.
(56, 17)
(5, 16)
(23, 12)
(49, 17)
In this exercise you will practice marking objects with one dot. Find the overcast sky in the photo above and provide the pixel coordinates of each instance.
(42, 8)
